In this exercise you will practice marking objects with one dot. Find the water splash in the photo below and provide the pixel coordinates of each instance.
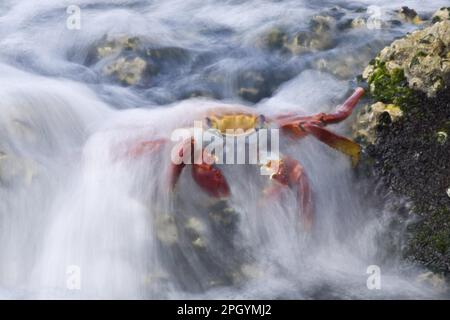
(70, 197)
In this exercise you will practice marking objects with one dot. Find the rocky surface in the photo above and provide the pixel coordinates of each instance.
(409, 15)
(413, 161)
(133, 60)
(367, 122)
(423, 57)
(319, 36)
(441, 15)
(208, 235)
(139, 62)
(405, 133)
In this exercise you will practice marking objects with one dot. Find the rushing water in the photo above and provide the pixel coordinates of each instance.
(70, 200)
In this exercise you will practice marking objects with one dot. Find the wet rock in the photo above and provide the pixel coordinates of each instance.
(187, 93)
(319, 36)
(254, 85)
(423, 58)
(116, 46)
(405, 136)
(15, 171)
(156, 280)
(373, 23)
(435, 281)
(368, 120)
(298, 43)
(166, 229)
(222, 216)
(133, 60)
(344, 66)
(441, 137)
(358, 22)
(121, 59)
(409, 15)
(413, 163)
(247, 272)
(127, 71)
(321, 24)
(441, 15)
(196, 229)
(275, 39)
(375, 18)
(200, 245)
(304, 42)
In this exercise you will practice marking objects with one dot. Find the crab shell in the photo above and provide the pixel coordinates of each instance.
(235, 121)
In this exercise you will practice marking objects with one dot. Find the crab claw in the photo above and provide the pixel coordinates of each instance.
(289, 173)
(145, 147)
(209, 178)
(342, 144)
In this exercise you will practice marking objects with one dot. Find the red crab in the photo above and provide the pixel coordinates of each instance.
(285, 171)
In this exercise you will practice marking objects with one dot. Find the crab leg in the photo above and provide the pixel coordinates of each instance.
(340, 114)
(300, 126)
(335, 141)
(291, 174)
(145, 147)
(343, 111)
(209, 178)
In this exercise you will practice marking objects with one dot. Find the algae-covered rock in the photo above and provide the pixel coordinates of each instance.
(409, 15)
(368, 120)
(422, 57)
(121, 59)
(441, 15)
(405, 132)
(412, 160)
(127, 71)
(133, 60)
(117, 45)
(319, 36)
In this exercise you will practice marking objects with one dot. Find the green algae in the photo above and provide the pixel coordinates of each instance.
(391, 87)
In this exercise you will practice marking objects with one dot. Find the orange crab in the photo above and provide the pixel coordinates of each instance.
(284, 171)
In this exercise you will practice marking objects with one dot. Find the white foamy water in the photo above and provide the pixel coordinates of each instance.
(71, 198)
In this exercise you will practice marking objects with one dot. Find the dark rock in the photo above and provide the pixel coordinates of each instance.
(409, 15)
(412, 162)
(410, 155)
(134, 61)
(254, 85)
